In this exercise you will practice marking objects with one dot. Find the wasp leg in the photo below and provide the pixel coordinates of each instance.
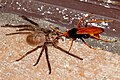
(71, 44)
(25, 29)
(101, 39)
(29, 53)
(32, 22)
(95, 21)
(86, 43)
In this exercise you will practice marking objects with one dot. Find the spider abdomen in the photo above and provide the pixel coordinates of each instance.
(36, 39)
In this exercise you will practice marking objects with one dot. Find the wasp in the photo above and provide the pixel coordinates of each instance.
(39, 37)
(84, 32)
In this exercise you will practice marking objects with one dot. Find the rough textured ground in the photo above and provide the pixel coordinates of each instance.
(96, 64)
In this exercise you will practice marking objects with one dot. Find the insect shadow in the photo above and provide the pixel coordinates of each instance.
(41, 37)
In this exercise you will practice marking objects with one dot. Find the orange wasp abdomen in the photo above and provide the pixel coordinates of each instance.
(90, 30)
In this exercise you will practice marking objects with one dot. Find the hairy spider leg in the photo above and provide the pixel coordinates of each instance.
(47, 58)
(17, 26)
(43, 48)
(22, 28)
(19, 33)
(29, 52)
(27, 19)
(57, 47)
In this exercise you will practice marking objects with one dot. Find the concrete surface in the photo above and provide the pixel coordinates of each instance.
(96, 64)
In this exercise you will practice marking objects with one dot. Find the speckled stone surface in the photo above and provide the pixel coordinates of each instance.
(96, 64)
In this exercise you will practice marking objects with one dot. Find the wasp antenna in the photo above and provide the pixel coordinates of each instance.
(102, 20)
(113, 41)
(109, 20)
(82, 19)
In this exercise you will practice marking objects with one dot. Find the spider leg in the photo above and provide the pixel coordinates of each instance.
(32, 22)
(43, 48)
(47, 58)
(22, 27)
(29, 53)
(18, 33)
(57, 47)
(17, 26)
